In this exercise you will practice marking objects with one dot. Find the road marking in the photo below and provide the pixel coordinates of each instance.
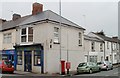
(116, 73)
(106, 75)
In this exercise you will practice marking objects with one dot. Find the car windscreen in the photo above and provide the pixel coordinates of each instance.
(8, 62)
(82, 64)
(99, 63)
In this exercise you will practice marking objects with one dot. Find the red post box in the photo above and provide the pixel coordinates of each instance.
(62, 67)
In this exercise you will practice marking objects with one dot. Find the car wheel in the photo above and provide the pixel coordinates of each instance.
(90, 71)
(111, 68)
(107, 68)
(99, 69)
(11, 72)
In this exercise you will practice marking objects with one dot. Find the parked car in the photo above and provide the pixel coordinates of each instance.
(6, 66)
(105, 65)
(88, 67)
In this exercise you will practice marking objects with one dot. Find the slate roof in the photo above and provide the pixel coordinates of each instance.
(45, 15)
(12, 24)
(108, 38)
(86, 37)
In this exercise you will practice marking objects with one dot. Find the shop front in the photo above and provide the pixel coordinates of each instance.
(30, 58)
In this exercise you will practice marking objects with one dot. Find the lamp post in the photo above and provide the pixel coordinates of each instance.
(60, 33)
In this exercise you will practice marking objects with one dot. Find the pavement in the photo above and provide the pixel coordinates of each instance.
(21, 73)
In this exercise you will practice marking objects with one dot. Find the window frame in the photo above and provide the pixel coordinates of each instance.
(93, 46)
(101, 47)
(37, 55)
(56, 37)
(107, 45)
(21, 58)
(26, 35)
(7, 38)
(80, 39)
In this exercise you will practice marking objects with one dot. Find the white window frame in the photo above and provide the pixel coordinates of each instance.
(56, 33)
(93, 45)
(26, 35)
(7, 38)
(101, 47)
(107, 45)
(80, 39)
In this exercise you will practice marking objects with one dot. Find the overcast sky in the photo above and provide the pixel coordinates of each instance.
(95, 15)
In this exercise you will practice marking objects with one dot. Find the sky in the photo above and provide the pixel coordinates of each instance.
(93, 15)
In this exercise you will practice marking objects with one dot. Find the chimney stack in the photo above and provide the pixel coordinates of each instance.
(37, 8)
(16, 16)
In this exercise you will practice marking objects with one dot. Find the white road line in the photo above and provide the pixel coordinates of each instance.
(106, 75)
(116, 73)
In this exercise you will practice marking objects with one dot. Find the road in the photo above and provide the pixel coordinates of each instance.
(113, 72)
(102, 74)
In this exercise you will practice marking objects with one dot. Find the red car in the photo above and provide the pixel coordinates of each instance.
(6, 66)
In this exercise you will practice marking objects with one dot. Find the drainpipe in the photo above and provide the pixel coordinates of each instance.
(112, 51)
(104, 50)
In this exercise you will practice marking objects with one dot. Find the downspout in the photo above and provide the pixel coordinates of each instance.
(112, 52)
(104, 50)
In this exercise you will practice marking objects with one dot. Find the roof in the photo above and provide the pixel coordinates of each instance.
(108, 38)
(45, 15)
(86, 37)
(12, 24)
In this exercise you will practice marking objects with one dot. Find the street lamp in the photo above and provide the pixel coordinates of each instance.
(60, 33)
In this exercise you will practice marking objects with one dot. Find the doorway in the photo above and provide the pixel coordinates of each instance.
(28, 61)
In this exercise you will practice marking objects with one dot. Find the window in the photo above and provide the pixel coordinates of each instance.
(27, 34)
(30, 34)
(107, 45)
(37, 60)
(101, 47)
(93, 58)
(23, 35)
(7, 38)
(19, 58)
(56, 35)
(93, 46)
(115, 57)
(80, 38)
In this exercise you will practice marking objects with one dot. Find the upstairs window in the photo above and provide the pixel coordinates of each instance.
(30, 34)
(80, 39)
(56, 35)
(24, 35)
(93, 46)
(107, 45)
(7, 38)
(101, 47)
(27, 34)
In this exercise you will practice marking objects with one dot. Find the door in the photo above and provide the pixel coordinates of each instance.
(28, 61)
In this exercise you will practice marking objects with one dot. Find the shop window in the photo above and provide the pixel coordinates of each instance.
(93, 58)
(37, 58)
(19, 58)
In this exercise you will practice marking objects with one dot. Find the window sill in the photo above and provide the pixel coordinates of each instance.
(80, 45)
(37, 65)
(56, 43)
(19, 64)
